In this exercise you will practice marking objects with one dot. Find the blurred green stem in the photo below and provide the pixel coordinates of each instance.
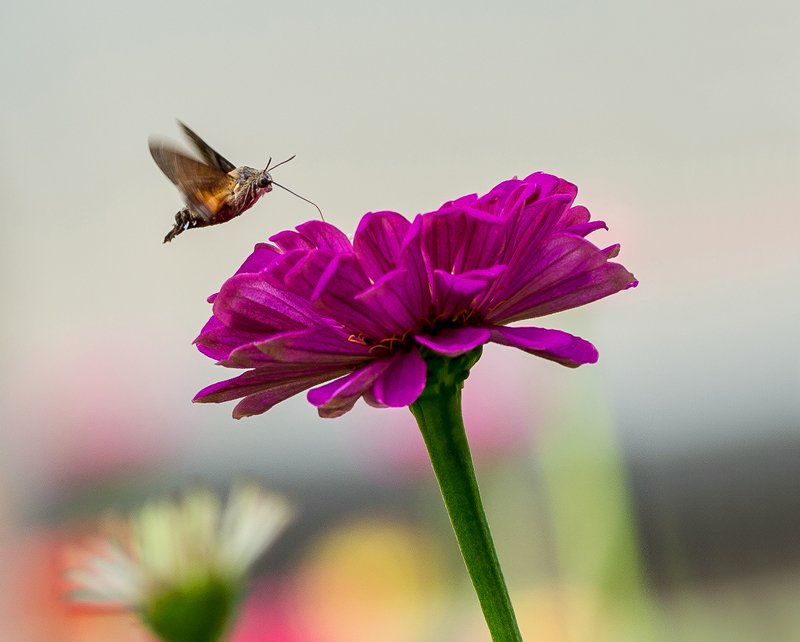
(438, 413)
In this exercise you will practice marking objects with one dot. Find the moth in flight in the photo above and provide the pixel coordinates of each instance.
(215, 189)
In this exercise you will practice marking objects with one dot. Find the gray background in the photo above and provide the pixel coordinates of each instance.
(678, 121)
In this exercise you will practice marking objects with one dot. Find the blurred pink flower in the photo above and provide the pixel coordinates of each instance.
(78, 415)
(267, 616)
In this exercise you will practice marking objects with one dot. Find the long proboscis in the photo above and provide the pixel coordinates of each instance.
(300, 197)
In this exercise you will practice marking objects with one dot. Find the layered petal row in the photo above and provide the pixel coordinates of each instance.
(312, 308)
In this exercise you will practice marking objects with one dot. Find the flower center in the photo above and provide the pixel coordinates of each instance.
(388, 345)
(432, 327)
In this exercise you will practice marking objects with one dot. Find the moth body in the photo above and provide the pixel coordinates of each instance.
(215, 190)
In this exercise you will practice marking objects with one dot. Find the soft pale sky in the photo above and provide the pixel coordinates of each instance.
(678, 121)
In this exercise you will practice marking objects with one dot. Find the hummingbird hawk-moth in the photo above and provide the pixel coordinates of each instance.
(215, 189)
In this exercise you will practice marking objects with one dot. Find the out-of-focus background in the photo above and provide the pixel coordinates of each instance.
(653, 496)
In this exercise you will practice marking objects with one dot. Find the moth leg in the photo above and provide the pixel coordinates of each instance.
(183, 221)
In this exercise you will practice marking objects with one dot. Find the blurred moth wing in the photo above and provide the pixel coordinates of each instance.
(206, 189)
(210, 156)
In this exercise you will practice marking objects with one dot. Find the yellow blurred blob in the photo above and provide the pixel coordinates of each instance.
(371, 580)
(558, 614)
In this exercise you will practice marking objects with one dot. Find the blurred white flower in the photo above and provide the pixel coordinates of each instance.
(183, 563)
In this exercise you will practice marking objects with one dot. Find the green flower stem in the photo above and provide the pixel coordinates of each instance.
(438, 413)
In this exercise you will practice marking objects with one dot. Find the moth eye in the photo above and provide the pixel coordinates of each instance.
(265, 181)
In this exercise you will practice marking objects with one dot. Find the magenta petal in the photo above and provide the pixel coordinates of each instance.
(248, 303)
(483, 242)
(454, 341)
(304, 276)
(263, 254)
(403, 382)
(352, 384)
(323, 345)
(338, 397)
(389, 300)
(579, 290)
(259, 402)
(555, 345)
(494, 201)
(412, 260)
(218, 342)
(548, 184)
(379, 241)
(246, 356)
(533, 196)
(547, 266)
(289, 240)
(335, 297)
(574, 216)
(217, 355)
(453, 293)
(463, 201)
(325, 236)
(584, 229)
(275, 272)
(456, 293)
(212, 324)
(441, 236)
(270, 376)
(531, 224)
(369, 397)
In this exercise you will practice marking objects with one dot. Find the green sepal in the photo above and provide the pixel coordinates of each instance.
(200, 611)
(446, 375)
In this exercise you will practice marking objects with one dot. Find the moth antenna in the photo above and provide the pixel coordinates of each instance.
(298, 195)
(266, 169)
(279, 164)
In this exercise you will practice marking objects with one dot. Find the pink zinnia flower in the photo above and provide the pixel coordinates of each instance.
(315, 307)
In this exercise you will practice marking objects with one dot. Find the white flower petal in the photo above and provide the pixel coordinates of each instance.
(175, 542)
(251, 522)
(109, 577)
